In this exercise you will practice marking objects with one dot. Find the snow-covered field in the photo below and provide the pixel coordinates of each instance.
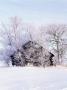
(33, 78)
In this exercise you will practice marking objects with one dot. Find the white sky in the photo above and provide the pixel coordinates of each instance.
(35, 11)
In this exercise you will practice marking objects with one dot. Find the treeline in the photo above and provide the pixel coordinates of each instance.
(14, 34)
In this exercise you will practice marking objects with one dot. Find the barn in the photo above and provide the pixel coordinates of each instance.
(32, 53)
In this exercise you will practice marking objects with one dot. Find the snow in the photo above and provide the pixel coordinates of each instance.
(33, 78)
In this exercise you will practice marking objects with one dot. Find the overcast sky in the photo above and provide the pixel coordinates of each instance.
(35, 11)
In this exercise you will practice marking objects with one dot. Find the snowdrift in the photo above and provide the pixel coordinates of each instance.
(33, 78)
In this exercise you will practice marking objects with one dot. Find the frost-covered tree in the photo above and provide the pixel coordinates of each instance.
(56, 38)
(14, 36)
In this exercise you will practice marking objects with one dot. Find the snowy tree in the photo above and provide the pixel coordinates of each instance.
(56, 39)
(15, 36)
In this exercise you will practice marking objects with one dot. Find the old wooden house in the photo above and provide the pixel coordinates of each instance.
(32, 53)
